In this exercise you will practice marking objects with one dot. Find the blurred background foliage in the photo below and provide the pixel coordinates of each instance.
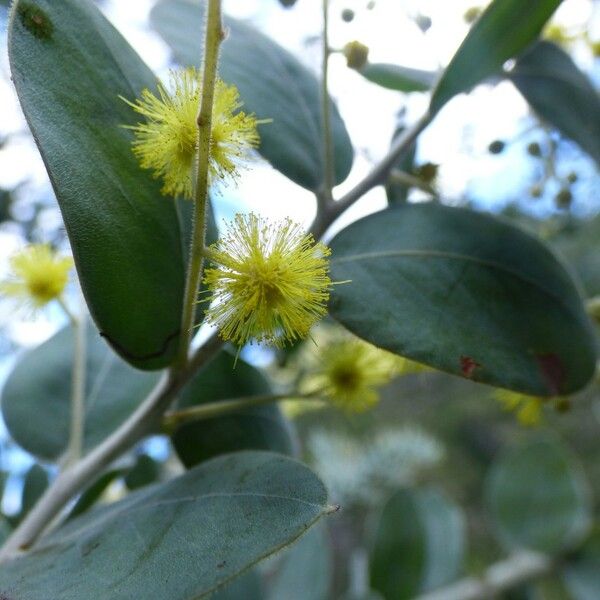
(423, 478)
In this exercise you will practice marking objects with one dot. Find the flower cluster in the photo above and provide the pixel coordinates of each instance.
(269, 281)
(167, 142)
(527, 408)
(349, 373)
(38, 276)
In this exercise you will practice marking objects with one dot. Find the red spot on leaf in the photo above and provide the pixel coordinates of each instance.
(553, 372)
(468, 366)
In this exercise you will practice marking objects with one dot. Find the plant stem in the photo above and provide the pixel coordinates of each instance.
(501, 576)
(376, 177)
(212, 41)
(143, 421)
(328, 158)
(211, 410)
(75, 445)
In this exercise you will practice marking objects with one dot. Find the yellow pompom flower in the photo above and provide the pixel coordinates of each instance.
(38, 276)
(527, 408)
(167, 142)
(270, 282)
(350, 372)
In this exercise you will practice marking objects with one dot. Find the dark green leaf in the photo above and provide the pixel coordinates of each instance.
(93, 493)
(273, 84)
(503, 31)
(37, 409)
(538, 497)
(34, 485)
(306, 572)
(466, 293)
(395, 77)
(178, 540)
(125, 236)
(258, 428)
(145, 471)
(419, 544)
(560, 94)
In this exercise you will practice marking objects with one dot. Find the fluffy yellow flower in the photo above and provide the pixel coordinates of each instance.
(527, 408)
(270, 282)
(167, 142)
(350, 372)
(38, 275)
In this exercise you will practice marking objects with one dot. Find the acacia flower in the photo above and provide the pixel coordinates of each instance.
(270, 282)
(527, 408)
(38, 276)
(350, 372)
(167, 142)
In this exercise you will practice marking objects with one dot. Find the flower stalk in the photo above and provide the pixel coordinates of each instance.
(78, 380)
(213, 38)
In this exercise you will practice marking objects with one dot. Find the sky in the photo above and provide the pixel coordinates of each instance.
(458, 139)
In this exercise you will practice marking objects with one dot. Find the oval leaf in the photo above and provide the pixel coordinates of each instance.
(538, 497)
(419, 544)
(37, 409)
(560, 94)
(466, 293)
(178, 540)
(257, 428)
(273, 84)
(125, 236)
(395, 77)
(503, 31)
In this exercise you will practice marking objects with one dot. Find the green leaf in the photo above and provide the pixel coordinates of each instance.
(37, 409)
(258, 428)
(34, 485)
(560, 94)
(273, 84)
(178, 540)
(503, 31)
(94, 492)
(306, 572)
(581, 571)
(396, 77)
(145, 471)
(125, 236)
(466, 293)
(538, 497)
(419, 544)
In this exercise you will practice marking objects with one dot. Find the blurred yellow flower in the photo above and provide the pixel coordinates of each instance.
(270, 282)
(38, 276)
(527, 408)
(167, 142)
(350, 372)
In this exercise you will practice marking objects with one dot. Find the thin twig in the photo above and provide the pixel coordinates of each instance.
(143, 421)
(210, 410)
(376, 177)
(501, 576)
(327, 143)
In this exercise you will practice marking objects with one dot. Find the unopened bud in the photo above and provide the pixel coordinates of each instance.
(356, 55)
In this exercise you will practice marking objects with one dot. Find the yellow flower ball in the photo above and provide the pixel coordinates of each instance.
(38, 276)
(167, 142)
(270, 281)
